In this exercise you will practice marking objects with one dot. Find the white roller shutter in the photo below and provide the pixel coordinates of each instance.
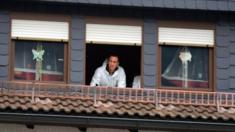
(184, 36)
(40, 30)
(113, 34)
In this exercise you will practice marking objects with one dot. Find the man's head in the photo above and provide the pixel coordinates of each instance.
(113, 62)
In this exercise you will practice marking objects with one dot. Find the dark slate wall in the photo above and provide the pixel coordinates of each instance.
(4, 35)
(225, 55)
(225, 39)
(150, 54)
(77, 49)
(221, 5)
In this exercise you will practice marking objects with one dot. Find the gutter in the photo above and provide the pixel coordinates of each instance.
(113, 122)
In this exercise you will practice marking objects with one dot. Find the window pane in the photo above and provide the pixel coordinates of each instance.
(52, 64)
(185, 67)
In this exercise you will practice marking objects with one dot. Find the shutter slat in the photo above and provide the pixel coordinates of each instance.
(113, 34)
(33, 29)
(200, 37)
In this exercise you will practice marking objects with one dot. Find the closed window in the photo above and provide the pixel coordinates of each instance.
(186, 57)
(184, 66)
(39, 49)
(41, 61)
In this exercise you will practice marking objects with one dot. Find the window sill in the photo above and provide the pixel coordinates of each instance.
(187, 89)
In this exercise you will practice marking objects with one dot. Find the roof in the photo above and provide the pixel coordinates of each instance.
(212, 5)
(116, 102)
(81, 106)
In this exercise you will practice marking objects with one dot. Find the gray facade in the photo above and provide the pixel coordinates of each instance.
(150, 53)
(221, 5)
(4, 43)
(225, 54)
(225, 34)
(77, 49)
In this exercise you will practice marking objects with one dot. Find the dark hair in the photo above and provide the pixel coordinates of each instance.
(113, 55)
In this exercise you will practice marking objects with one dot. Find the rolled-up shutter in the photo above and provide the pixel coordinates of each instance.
(184, 36)
(113, 34)
(40, 30)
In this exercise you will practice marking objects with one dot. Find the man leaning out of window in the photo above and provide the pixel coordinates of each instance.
(110, 74)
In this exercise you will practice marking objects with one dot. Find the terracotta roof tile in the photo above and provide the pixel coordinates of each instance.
(119, 108)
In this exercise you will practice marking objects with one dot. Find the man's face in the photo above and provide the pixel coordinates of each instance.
(112, 63)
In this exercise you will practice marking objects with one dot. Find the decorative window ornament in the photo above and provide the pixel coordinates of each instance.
(38, 56)
(185, 56)
(185, 67)
(29, 55)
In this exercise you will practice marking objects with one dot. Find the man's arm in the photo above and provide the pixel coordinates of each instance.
(95, 81)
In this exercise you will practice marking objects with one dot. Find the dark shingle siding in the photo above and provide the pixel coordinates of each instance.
(225, 55)
(3, 49)
(222, 52)
(180, 4)
(4, 38)
(3, 35)
(77, 49)
(126, 2)
(231, 6)
(93, 1)
(3, 73)
(3, 60)
(222, 74)
(4, 17)
(105, 2)
(190, 4)
(222, 40)
(232, 55)
(232, 49)
(4, 27)
(201, 4)
(232, 59)
(220, 5)
(222, 62)
(222, 85)
(158, 3)
(148, 3)
(169, 3)
(212, 5)
(232, 69)
(115, 2)
(148, 70)
(137, 2)
(150, 54)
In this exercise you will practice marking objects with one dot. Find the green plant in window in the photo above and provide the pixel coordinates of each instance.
(38, 56)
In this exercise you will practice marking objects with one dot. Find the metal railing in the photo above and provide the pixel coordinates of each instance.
(157, 96)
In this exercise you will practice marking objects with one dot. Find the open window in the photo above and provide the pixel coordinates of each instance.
(39, 50)
(186, 56)
(105, 39)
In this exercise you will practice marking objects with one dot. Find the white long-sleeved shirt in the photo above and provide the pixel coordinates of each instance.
(103, 78)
